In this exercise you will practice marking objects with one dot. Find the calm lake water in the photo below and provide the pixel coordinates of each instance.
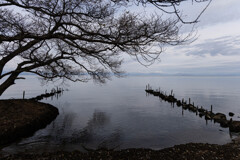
(120, 115)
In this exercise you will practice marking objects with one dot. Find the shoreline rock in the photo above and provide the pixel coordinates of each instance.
(22, 118)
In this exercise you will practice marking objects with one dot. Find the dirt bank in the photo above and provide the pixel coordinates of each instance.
(21, 118)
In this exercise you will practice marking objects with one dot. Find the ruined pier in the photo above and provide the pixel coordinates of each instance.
(234, 126)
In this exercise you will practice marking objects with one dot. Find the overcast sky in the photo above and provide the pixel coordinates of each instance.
(216, 50)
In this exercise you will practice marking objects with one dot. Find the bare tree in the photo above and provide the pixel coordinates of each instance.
(79, 40)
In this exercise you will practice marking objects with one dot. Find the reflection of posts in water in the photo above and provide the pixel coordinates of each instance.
(211, 109)
(230, 133)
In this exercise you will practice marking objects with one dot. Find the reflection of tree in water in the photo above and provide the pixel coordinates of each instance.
(87, 134)
(62, 132)
(98, 119)
(56, 133)
(91, 132)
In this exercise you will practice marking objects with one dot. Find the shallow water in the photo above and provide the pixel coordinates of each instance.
(120, 115)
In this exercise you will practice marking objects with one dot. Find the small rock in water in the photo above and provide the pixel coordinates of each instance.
(231, 114)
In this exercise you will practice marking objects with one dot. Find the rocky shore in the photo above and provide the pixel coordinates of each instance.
(190, 151)
(21, 118)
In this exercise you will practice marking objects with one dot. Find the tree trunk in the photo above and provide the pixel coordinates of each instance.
(8, 82)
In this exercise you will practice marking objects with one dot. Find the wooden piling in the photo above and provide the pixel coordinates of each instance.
(23, 94)
(211, 109)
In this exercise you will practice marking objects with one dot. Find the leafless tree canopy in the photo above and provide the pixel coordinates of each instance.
(79, 40)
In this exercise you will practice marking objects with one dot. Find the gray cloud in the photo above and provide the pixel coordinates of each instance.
(226, 45)
(220, 69)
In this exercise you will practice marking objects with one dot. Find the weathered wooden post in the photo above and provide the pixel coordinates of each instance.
(171, 92)
(23, 94)
(211, 109)
(189, 100)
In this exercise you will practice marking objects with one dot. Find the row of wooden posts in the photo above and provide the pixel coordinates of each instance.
(234, 126)
(47, 94)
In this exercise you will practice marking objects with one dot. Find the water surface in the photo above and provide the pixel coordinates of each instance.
(120, 115)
